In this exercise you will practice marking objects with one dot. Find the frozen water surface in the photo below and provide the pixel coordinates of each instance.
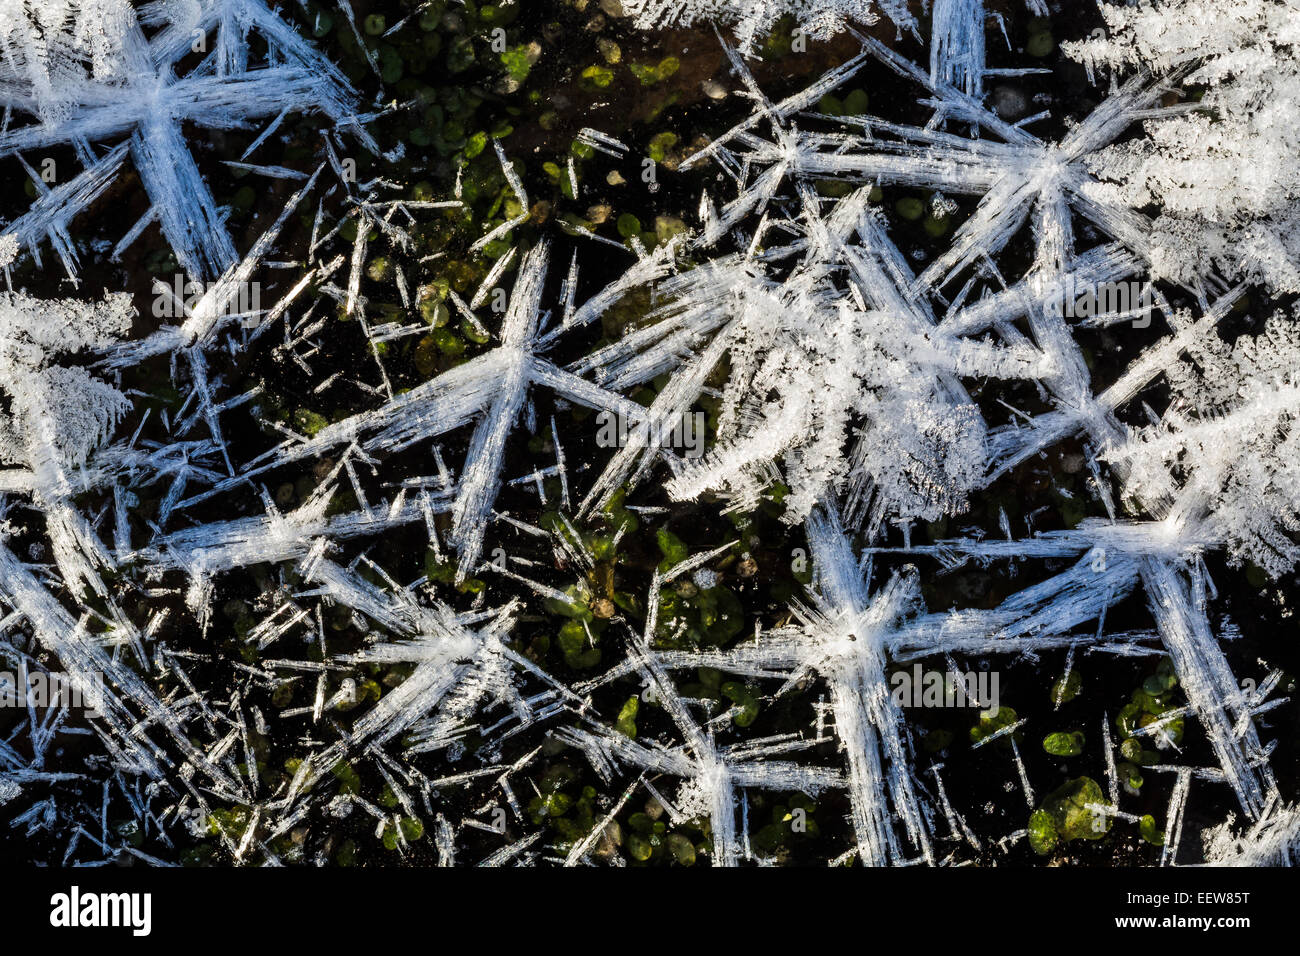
(877, 394)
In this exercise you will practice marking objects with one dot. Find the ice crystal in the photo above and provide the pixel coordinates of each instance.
(1219, 163)
(85, 72)
(774, 421)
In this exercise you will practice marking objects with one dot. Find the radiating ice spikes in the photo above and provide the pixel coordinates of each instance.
(132, 96)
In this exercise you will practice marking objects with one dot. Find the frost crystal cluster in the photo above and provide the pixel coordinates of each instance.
(872, 391)
(1222, 169)
(752, 19)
